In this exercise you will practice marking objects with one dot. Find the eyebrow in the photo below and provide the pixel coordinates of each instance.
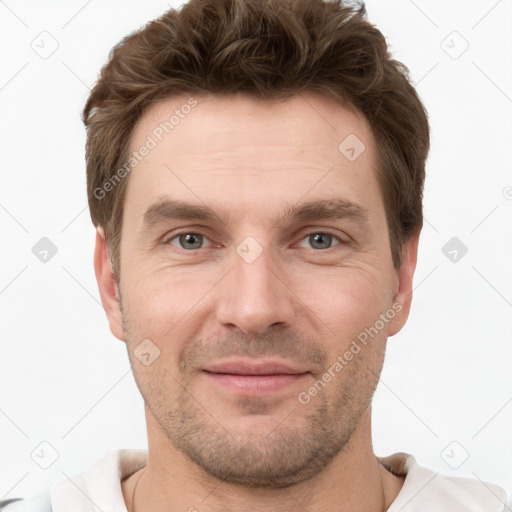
(333, 208)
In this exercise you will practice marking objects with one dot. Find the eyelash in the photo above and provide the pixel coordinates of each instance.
(188, 232)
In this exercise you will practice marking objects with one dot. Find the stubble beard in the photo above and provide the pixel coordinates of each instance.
(297, 449)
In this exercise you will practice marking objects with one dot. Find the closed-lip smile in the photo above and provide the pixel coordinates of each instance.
(254, 377)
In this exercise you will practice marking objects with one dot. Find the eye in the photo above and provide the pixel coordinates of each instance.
(188, 241)
(321, 240)
(191, 241)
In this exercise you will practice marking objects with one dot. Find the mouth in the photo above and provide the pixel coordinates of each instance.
(251, 378)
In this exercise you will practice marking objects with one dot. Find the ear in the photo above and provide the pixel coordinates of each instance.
(403, 291)
(107, 285)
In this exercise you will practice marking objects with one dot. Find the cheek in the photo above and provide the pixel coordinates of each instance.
(347, 302)
(166, 307)
(171, 306)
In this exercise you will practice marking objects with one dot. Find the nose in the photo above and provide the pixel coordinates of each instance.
(255, 296)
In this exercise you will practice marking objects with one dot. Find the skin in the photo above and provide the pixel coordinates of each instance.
(210, 447)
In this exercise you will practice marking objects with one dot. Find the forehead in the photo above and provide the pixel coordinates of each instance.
(309, 120)
(245, 149)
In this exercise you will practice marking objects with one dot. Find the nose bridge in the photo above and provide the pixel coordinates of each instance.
(253, 297)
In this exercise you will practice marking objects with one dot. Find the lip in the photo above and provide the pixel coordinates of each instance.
(250, 378)
(248, 367)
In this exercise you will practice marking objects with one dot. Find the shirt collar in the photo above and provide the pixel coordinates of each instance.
(423, 490)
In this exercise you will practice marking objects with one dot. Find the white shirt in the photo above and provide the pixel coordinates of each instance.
(422, 491)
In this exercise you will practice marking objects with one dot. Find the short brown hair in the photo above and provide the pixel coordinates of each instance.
(270, 49)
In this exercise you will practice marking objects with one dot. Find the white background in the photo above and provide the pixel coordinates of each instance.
(66, 380)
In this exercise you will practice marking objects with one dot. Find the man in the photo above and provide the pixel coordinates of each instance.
(255, 173)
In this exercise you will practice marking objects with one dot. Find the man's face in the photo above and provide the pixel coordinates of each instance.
(251, 307)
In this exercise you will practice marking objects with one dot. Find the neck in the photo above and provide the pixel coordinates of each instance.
(353, 481)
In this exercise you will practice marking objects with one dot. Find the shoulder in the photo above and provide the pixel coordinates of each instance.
(40, 503)
(473, 495)
(425, 490)
(99, 484)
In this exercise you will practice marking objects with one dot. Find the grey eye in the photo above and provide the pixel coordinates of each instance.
(188, 241)
(321, 240)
